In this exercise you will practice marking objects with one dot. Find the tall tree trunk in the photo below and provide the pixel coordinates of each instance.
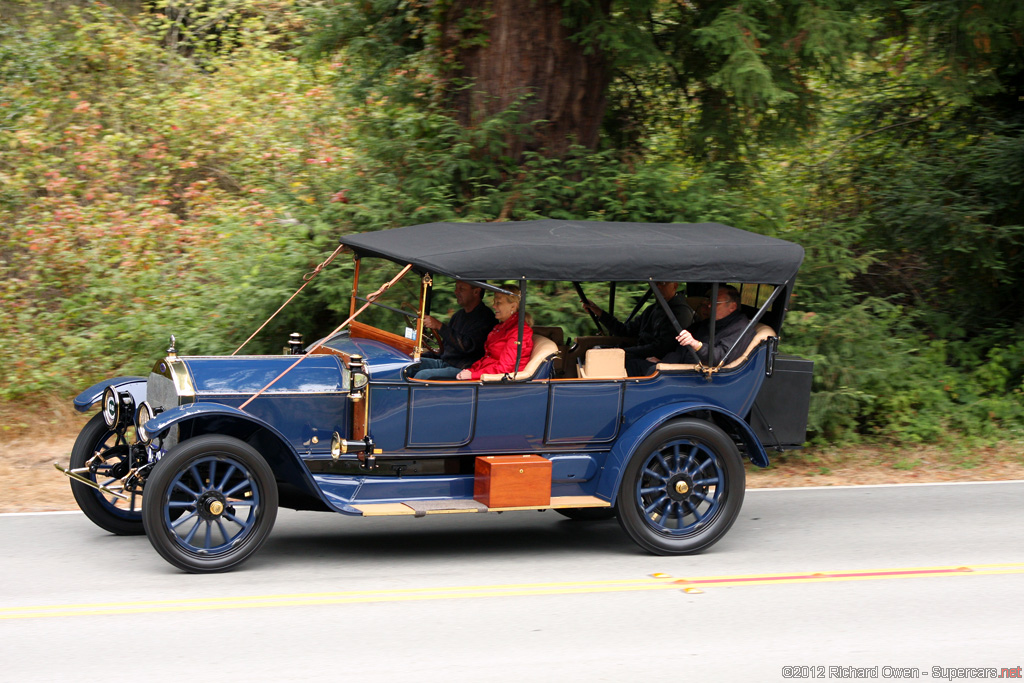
(522, 48)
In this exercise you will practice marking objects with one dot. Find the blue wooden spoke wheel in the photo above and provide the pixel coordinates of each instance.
(210, 504)
(101, 456)
(682, 488)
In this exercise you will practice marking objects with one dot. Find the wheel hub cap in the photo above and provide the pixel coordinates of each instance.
(211, 505)
(679, 488)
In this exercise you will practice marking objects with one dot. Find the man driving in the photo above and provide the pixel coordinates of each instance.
(462, 337)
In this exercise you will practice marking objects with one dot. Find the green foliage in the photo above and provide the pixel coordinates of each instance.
(877, 376)
(150, 187)
(131, 190)
(736, 75)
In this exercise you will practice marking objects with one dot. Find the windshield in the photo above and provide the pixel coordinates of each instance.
(396, 309)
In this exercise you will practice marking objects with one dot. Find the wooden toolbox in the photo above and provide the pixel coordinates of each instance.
(508, 481)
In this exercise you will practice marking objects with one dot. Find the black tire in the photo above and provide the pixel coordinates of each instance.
(587, 514)
(682, 488)
(121, 517)
(216, 522)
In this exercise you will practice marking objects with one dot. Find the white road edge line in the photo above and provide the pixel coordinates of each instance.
(780, 488)
(36, 514)
(887, 486)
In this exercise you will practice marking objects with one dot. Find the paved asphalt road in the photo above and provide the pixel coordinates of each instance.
(863, 583)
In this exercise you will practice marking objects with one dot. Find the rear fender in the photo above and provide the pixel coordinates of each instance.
(611, 476)
(136, 386)
(195, 419)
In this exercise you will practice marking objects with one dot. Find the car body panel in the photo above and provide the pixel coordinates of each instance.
(136, 386)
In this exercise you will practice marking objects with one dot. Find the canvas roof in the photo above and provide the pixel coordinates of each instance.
(586, 251)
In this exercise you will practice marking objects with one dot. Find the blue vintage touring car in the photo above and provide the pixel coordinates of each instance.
(200, 454)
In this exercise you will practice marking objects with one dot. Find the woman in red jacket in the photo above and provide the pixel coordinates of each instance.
(500, 348)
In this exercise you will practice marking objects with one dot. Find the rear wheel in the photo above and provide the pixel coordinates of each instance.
(107, 458)
(210, 504)
(682, 488)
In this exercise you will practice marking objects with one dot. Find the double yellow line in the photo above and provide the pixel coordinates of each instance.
(647, 583)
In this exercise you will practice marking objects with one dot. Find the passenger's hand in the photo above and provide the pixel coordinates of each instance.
(591, 307)
(464, 374)
(652, 359)
(686, 339)
(431, 323)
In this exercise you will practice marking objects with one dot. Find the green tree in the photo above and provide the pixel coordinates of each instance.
(739, 73)
(926, 152)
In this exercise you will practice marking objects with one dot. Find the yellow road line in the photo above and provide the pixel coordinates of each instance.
(655, 582)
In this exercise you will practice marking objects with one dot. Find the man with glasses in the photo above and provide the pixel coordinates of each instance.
(730, 321)
(653, 331)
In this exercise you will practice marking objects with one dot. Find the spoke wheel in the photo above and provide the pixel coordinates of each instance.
(210, 503)
(116, 515)
(682, 488)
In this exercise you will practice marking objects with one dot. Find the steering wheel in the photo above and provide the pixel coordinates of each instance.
(436, 349)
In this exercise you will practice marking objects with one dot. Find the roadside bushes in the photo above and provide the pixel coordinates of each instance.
(132, 202)
(143, 193)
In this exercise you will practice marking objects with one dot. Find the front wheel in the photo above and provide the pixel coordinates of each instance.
(103, 456)
(682, 488)
(210, 503)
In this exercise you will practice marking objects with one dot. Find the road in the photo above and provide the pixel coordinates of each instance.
(859, 583)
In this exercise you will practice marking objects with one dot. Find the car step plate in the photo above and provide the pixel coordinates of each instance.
(419, 508)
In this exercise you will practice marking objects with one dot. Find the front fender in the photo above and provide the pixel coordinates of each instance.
(179, 414)
(630, 440)
(209, 418)
(136, 386)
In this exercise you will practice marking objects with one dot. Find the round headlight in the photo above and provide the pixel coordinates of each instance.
(111, 407)
(144, 414)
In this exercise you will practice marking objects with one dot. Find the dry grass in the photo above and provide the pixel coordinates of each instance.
(32, 438)
(887, 465)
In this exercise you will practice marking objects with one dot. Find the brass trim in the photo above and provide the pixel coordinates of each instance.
(355, 287)
(426, 284)
(682, 488)
(88, 482)
(182, 378)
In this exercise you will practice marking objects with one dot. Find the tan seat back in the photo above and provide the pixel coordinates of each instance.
(603, 364)
(575, 355)
(761, 332)
(555, 334)
(543, 349)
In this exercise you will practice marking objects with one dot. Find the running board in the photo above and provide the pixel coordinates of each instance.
(448, 507)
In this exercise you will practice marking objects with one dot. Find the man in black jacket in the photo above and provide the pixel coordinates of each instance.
(655, 333)
(730, 322)
(463, 336)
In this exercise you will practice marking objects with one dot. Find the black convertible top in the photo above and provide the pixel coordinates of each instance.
(586, 251)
